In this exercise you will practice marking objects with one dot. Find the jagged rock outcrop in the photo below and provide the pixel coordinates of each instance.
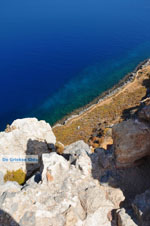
(76, 187)
(25, 137)
(131, 141)
(68, 195)
(139, 214)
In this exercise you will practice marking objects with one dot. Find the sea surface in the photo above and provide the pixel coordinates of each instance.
(58, 55)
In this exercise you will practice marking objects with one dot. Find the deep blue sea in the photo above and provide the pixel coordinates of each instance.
(58, 55)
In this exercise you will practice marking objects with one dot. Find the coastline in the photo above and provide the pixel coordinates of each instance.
(103, 96)
(117, 104)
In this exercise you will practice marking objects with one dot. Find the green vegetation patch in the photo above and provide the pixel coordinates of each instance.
(18, 176)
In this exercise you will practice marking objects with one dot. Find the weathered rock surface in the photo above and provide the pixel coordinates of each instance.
(10, 186)
(55, 167)
(25, 137)
(115, 195)
(124, 219)
(131, 141)
(76, 187)
(77, 147)
(67, 196)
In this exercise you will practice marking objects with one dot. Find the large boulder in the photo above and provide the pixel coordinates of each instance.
(23, 138)
(131, 141)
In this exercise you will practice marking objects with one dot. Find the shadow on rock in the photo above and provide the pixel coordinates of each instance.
(37, 148)
(132, 181)
(132, 176)
(6, 219)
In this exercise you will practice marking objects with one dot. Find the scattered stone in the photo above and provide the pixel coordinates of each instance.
(55, 167)
(124, 219)
(83, 163)
(77, 148)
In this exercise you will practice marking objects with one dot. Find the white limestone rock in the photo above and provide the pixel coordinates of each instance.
(99, 217)
(68, 195)
(25, 137)
(10, 186)
(55, 167)
(124, 219)
(77, 148)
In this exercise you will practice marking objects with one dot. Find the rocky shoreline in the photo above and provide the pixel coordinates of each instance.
(108, 93)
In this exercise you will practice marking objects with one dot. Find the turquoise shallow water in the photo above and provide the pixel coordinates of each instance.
(90, 83)
(56, 56)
